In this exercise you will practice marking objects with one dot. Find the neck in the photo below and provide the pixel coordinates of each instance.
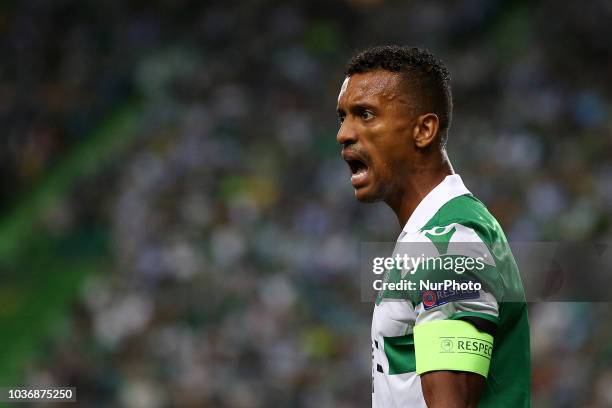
(417, 185)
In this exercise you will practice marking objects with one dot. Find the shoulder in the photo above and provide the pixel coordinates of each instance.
(469, 216)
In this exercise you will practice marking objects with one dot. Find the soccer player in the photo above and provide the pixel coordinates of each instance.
(434, 348)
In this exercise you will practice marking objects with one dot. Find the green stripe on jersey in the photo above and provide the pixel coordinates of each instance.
(400, 354)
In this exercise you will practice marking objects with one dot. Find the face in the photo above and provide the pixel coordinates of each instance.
(375, 133)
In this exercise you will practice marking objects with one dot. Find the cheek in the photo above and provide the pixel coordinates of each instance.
(391, 158)
(389, 148)
(383, 173)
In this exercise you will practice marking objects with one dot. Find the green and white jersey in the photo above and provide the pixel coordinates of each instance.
(451, 223)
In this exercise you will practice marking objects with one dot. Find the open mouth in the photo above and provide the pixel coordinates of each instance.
(359, 172)
(357, 166)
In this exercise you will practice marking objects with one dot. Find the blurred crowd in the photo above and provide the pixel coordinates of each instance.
(235, 234)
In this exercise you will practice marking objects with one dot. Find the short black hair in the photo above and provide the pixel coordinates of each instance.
(426, 76)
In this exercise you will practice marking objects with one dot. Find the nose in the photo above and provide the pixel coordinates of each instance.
(346, 134)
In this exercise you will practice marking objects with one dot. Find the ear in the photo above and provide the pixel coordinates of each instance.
(425, 130)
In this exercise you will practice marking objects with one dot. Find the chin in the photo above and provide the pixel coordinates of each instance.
(367, 195)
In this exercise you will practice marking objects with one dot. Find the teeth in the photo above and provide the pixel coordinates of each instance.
(356, 166)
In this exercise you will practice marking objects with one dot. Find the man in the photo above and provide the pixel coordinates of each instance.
(434, 348)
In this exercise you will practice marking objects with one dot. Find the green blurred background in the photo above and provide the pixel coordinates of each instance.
(177, 227)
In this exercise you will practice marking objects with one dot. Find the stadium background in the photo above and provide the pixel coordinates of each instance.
(177, 228)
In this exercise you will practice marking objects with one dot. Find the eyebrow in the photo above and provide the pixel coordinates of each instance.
(357, 107)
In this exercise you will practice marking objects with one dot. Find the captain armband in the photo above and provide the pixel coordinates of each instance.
(452, 345)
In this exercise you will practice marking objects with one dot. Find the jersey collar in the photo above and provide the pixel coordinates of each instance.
(452, 186)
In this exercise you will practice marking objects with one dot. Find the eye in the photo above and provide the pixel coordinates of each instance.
(366, 115)
(341, 119)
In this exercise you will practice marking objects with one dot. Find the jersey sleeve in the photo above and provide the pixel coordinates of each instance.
(460, 280)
